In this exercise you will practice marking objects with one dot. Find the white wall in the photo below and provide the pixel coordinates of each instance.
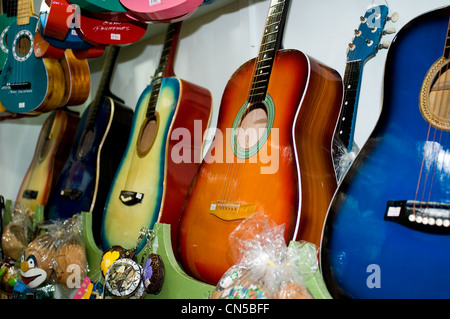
(213, 45)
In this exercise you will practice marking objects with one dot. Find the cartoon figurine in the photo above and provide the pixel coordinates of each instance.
(37, 261)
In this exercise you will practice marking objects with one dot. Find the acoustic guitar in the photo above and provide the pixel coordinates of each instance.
(271, 153)
(27, 83)
(387, 232)
(153, 178)
(100, 140)
(108, 29)
(52, 150)
(77, 79)
(364, 46)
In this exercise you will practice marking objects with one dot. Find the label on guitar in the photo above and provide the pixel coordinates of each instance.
(153, 2)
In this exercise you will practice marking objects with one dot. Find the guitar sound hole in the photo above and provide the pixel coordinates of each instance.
(253, 126)
(23, 46)
(148, 136)
(435, 95)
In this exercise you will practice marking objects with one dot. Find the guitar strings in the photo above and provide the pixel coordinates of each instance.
(229, 191)
(440, 102)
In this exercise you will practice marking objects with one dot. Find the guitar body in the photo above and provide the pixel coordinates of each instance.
(52, 149)
(367, 252)
(29, 83)
(275, 180)
(160, 10)
(152, 169)
(77, 79)
(107, 29)
(5, 22)
(87, 175)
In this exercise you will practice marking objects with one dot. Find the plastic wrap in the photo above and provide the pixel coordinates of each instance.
(265, 267)
(70, 261)
(17, 233)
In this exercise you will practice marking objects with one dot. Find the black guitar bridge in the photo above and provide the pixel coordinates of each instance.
(71, 194)
(29, 194)
(130, 198)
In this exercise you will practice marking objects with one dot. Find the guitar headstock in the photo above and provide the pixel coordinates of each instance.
(367, 38)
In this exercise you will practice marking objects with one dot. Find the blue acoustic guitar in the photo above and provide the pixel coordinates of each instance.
(364, 46)
(27, 83)
(387, 232)
(100, 141)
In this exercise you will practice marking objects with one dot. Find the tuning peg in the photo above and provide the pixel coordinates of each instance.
(384, 45)
(389, 31)
(394, 17)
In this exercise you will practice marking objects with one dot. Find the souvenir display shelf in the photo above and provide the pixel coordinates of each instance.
(177, 284)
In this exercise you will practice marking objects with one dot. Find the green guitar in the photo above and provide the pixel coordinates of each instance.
(9, 15)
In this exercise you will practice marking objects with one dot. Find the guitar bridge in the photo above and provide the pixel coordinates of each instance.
(130, 198)
(70, 194)
(20, 86)
(231, 211)
(429, 217)
(29, 194)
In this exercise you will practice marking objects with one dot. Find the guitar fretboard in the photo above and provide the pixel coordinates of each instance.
(167, 55)
(103, 87)
(271, 42)
(24, 10)
(344, 129)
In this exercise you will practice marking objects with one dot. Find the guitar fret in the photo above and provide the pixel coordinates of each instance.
(162, 66)
(269, 44)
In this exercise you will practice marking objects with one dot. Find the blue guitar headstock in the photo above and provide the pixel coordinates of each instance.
(367, 38)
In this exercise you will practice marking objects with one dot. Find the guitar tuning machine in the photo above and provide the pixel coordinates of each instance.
(389, 31)
(384, 45)
(394, 17)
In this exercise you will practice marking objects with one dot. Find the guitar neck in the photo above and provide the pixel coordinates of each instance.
(24, 11)
(347, 119)
(271, 42)
(166, 65)
(105, 81)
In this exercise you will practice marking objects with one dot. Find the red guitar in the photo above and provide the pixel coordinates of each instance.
(108, 29)
(272, 153)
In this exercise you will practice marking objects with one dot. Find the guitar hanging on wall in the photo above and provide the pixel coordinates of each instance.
(100, 141)
(280, 110)
(27, 83)
(387, 232)
(364, 46)
(52, 150)
(157, 10)
(151, 182)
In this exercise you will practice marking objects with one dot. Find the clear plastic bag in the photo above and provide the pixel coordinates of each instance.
(70, 262)
(17, 233)
(265, 267)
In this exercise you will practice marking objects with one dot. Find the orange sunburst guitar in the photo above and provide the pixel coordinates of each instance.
(52, 149)
(271, 153)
